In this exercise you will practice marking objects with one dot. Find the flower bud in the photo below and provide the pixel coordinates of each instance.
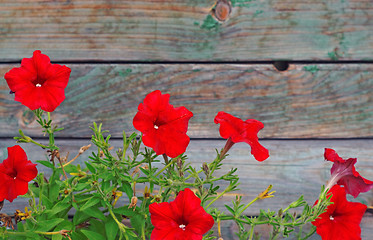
(206, 169)
(297, 203)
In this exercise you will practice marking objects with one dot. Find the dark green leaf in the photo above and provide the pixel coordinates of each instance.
(90, 167)
(92, 235)
(80, 217)
(111, 228)
(91, 202)
(137, 222)
(47, 225)
(95, 212)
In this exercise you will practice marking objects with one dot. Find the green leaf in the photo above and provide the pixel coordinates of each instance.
(80, 217)
(47, 225)
(111, 228)
(92, 235)
(230, 209)
(54, 189)
(46, 202)
(48, 164)
(81, 186)
(138, 222)
(71, 168)
(78, 235)
(91, 202)
(126, 187)
(57, 237)
(95, 212)
(90, 167)
(97, 226)
(59, 207)
(125, 211)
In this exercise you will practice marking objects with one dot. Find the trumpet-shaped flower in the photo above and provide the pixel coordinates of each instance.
(182, 219)
(163, 126)
(15, 173)
(343, 173)
(341, 220)
(38, 83)
(237, 130)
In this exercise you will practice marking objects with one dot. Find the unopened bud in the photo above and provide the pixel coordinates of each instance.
(179, 163)
(297, 203)
(205, 168)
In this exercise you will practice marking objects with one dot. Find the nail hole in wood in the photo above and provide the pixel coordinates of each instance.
(281, 65)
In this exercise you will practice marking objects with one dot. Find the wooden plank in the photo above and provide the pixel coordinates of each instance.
(306, 101)
(294, 168)
(148, 30)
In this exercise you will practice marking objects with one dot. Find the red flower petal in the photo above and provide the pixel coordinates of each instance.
(38, 83)
(163, 126)
(183, 218)
(342, 218)
(242, 131)
(15, 173)
(343, 172)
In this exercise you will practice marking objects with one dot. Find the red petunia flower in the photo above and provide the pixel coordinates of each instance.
(15, 173)
(38, 83)
(342, 219)
(237, 130)
(343, 173)
(182, 219)
(163, 126)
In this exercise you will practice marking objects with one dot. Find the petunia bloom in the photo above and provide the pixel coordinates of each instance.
(38, 83)
(182, 219)
(343, 173)
(15, 173)
(237, 130)
(342, 218)
(163, 126)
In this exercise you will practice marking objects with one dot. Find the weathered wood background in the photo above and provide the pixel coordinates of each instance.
(121, 50)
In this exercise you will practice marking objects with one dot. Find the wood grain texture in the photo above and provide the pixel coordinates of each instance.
(152, 30)
(294, 168)
(317, 101)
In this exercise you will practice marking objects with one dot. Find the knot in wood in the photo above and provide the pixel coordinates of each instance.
(222, 10)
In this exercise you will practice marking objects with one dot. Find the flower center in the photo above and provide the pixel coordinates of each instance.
(182, 226)
(331, 218)
(13, 174)
(155, 126)
(38, 81)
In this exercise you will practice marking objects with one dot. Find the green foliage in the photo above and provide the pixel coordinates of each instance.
(91, 192)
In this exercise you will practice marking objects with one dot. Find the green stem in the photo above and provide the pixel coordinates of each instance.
(218, 158)
(50, 133)
(41, 188)
(36, 143)
(47, 233)
(251, 232)
(217, 197)
(125, 146)
(248, 205)
(300, 232)
(310, 233)
(165, 167)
